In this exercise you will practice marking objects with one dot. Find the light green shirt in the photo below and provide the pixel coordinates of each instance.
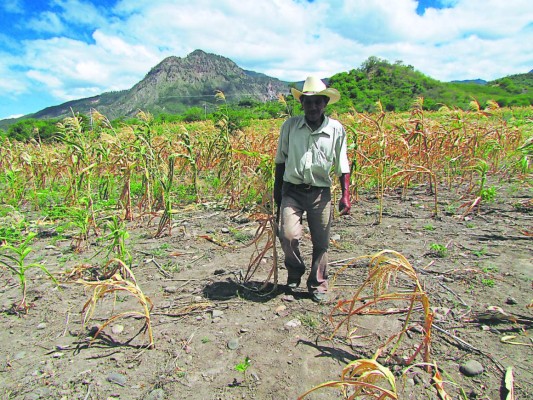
(310, 156)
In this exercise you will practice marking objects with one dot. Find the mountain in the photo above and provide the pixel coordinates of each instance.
(477, 81)
(175, 85)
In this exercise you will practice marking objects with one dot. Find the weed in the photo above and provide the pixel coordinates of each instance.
(451, 209)
(481, 252)
(243, 366)
(429, 227)
(487, 282)
(439, 250)
(488, 194)
(490, 269)
(239, 236)
(205, 340)
(308, 320)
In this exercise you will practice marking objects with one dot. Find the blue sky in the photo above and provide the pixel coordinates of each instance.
(52, 51)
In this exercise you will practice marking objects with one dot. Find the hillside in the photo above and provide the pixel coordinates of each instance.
(398, 85)
(176, 84)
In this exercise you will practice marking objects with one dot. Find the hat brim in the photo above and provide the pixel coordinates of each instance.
(332, 93)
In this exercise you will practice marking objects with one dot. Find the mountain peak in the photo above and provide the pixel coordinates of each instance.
(176, 84)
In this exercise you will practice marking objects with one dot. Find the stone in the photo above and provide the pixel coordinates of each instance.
(170, 289)
(510, 300)
(115, 377)
(117, 329)
(233, 344)
(217, 313)
(471, 368)
(156, 394)
(293, 323)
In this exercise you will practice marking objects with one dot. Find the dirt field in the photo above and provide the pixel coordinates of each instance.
(206, 322)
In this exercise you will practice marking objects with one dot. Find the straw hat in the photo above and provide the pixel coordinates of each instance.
(313, 86)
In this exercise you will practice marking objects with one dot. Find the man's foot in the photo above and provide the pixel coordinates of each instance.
(293, 283)
(319, 297)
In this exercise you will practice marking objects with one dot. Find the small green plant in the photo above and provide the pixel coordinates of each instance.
(241, 237)
(487, 282)
(481, 252)
(16, 264)
(205, 340)
(488, 194)
(116, 239)
(489, 269)
(451, 209)
(429, 227)
(439, 250)
(308, 320)
(243, 366)
(470, 225)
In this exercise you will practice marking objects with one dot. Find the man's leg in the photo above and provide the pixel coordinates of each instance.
(291, 231)
(319, 219)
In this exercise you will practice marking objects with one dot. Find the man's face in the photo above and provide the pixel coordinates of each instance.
(314, 107)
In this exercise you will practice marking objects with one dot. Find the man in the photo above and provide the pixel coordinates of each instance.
(310, 147)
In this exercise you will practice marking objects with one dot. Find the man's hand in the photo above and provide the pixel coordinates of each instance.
(344, 203)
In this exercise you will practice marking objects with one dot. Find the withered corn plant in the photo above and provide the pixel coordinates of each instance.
(121, 280)
(264, 240)
(381, 164)
(374, 298)
(362, 378)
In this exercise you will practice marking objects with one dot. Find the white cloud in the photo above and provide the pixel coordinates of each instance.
(76, 12)
(47, 22)
(12, 6)
(113, 48)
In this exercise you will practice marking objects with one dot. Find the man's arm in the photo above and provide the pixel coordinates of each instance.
(344, 203)
(278, 182)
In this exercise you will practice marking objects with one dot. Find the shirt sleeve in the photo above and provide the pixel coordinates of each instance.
(342, 165)
(283, 144)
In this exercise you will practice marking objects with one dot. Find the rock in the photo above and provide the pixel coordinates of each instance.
(217, 314)
(170, 289)
(57, 354)
(510, 300)
(280, 309)
(42, 325)
(233, 344)
(255, 376)
(115, 377)
(288, 298)
(219, 271)
(471, 368)
(117, 329)
(293, 323)
(156, 394)
(336, 237)
(224, 230)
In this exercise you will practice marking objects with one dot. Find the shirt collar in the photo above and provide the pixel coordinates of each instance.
(324, 128)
